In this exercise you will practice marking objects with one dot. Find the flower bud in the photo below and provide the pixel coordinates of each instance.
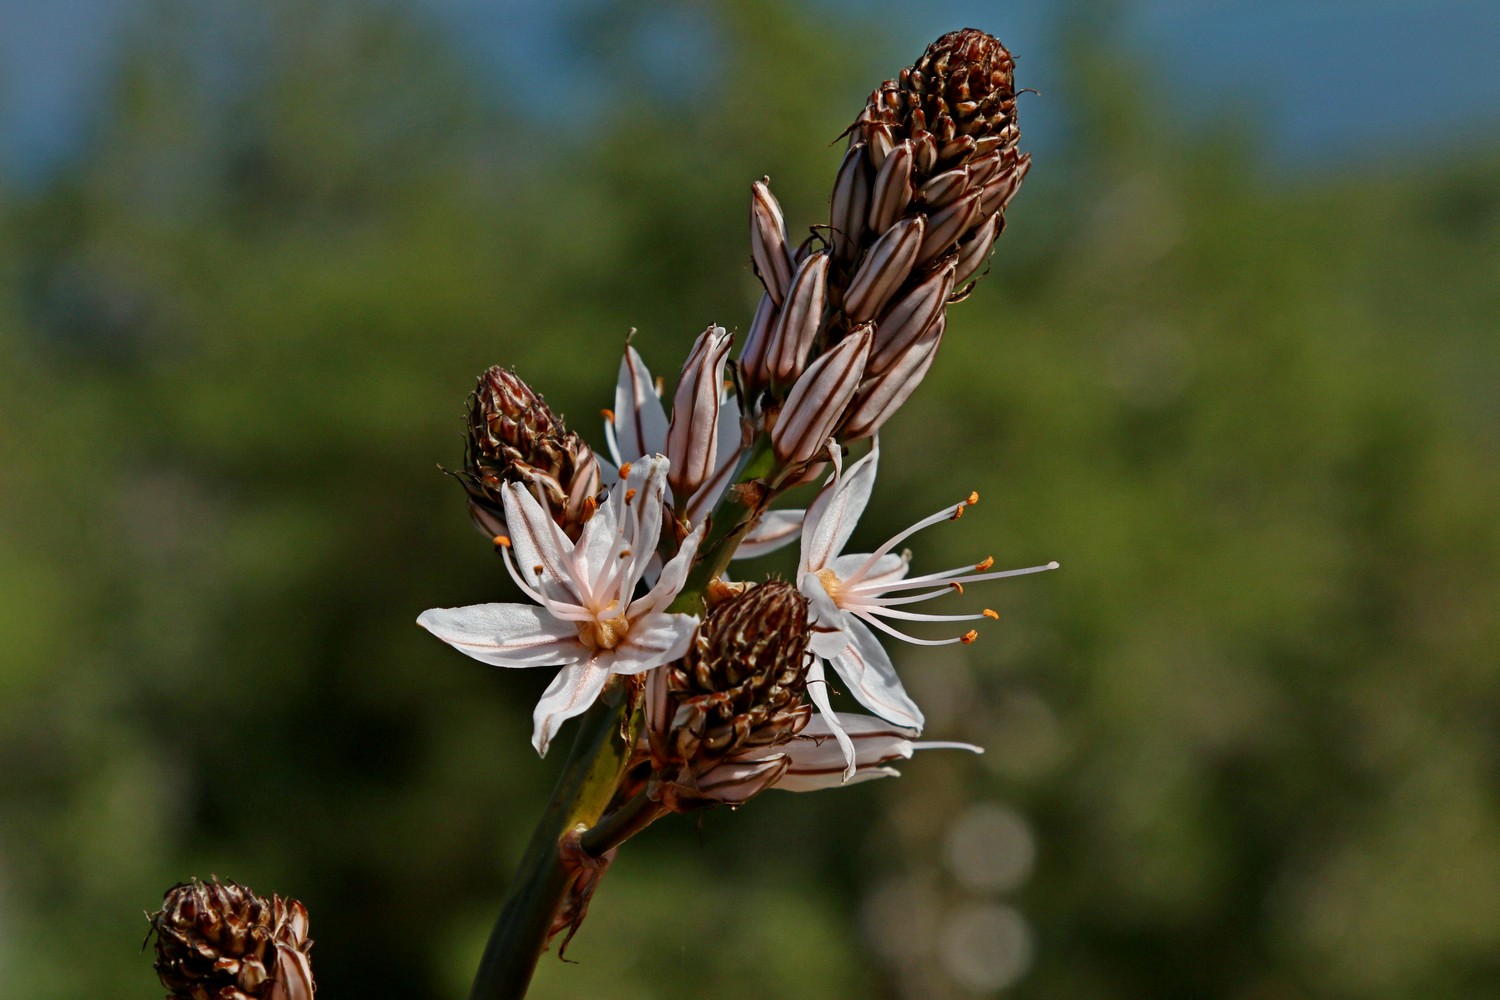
(818, 399)
(880, 397)
(515, 437)
(792, 338)
(740, 688)
(218, 939)
(693, 433)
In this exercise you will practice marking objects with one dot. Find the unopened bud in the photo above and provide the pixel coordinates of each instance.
(802, 314)
(693, 433)
(220, 940)
(819, 398)
(880, 397)
(768, 243)
(740, 687)
(514, 437)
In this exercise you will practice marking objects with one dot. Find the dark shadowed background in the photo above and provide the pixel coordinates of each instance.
(1234, 368)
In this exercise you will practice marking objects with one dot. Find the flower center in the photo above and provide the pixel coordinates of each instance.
(605, 634)
(831, 583)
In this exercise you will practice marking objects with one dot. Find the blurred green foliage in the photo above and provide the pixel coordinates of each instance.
(1251, 729)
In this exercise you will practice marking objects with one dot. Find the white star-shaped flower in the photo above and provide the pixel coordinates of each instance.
(851, 594)
(586, 619)
(638, 426)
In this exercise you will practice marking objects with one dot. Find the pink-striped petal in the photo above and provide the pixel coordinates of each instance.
(571, 692)
(506, 635)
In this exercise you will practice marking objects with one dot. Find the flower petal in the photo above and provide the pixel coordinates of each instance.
(644, 494)
(673, 576)
(817, 690)
(542, 552)
(775, 529)
(867, 670)
(835, 512)
(817, 763)
(571, 692)
(505, 635)
(655, 640)
(640, 424)
(887, 569)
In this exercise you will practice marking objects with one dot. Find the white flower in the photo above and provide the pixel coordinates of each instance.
(815, 758)
(851, 594)
(586, 619)
(638, 426)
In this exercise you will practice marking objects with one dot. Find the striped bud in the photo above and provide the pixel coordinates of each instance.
(754, 364)
(946, 226)
(797, 327)
(976, 250)
(892, 189)
(850, 202)
(693, 433)
(910, 317)
(880, 397)
(768, 242)
(884, 269)
(819, 398)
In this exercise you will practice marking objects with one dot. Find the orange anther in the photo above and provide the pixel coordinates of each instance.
(968, 637)
(501, 542)
(991, 613)
(608, 415)
(956, 586)
(973, 497)
(629, 495)
(988, 562)
(625, 470)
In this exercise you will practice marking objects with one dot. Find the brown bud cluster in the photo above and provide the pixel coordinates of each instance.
(917, 205)
(220, 941)
(740, 688)
(514, 437)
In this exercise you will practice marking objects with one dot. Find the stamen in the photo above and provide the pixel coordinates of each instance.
(958, 512)
(968, 637)
(629, 495)
(956, 586)
(900, 536)
(590, 505)
(991, 613)
(500, 542)
(874, 622)
(973, 497)
(986, 564)
(608, 415)
(624, 471)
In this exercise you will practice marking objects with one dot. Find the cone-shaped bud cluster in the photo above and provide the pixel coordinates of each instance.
(515, 437)
(917, 205)
(220, 941)
(739, 688)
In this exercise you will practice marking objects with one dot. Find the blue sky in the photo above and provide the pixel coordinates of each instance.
(1345, 81)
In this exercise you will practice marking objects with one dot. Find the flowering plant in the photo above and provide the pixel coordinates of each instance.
(694, 689)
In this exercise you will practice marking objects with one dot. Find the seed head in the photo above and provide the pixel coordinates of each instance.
(515, 437)
(741, 684)
(220, 941)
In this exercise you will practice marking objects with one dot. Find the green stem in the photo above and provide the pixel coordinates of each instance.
(606, 736)
(622, 824)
